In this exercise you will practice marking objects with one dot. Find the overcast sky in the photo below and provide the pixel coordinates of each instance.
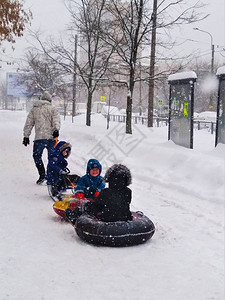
(51, 16)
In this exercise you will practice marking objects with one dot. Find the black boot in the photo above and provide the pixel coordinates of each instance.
(54, 191)
(41, 171)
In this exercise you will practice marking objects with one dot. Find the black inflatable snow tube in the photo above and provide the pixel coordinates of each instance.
(115, 234)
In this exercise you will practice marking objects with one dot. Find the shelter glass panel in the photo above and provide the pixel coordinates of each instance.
(181, 114)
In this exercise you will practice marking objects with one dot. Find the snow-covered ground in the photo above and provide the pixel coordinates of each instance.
(180, 190)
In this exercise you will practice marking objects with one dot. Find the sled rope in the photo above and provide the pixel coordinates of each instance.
(73, 186)
(56, 142)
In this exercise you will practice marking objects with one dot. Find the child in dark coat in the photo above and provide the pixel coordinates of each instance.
(57, 166)
(92, 183)
(113, 203)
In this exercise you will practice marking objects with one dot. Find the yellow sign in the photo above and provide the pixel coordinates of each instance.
(102, 98)
(185, 109)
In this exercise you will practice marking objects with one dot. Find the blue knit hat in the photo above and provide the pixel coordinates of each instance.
(92, 164)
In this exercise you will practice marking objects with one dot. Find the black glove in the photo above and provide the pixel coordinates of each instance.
(26, 141)
(55, 133)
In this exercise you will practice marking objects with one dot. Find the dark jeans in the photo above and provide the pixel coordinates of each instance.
(38, 148)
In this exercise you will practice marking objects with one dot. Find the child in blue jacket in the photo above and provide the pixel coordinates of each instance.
(57, 168)
(92, 183)
(57, 163)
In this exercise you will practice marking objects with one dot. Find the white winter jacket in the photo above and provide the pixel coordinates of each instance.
(44, 118)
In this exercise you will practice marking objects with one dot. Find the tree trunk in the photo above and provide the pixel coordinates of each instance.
(88, 116)
(152, 67)
(74, 78)
(130, 102)
(129, 114)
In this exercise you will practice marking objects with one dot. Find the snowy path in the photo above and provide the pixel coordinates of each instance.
(42, 258)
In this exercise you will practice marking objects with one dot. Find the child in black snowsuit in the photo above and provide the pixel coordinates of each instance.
(113, 203)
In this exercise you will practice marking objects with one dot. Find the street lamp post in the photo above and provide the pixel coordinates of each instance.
(212, 47)
(212, 57)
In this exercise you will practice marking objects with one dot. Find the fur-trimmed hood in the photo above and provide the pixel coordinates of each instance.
(118, 176)
(62, 145)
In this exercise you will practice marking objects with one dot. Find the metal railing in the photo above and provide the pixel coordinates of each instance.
(210, 125)
(158, 122)
(138, 120)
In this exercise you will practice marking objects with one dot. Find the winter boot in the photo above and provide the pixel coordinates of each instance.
(41, 171)
(54, 190)
(56, 193)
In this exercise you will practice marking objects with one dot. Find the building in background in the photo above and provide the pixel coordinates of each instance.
(17, 92)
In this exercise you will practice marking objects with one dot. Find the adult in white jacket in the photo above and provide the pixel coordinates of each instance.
(45, 118)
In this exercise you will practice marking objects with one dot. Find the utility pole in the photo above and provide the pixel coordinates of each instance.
(140, 94)
(74, 79)
(212, 72)
(108, 114)
(212, 59)
(152, 67)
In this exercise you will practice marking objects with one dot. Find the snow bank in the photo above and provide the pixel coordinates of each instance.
(181, 190)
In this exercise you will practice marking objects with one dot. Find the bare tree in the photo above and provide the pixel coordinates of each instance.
(60, 58)
(130, 34)
(112, 37)
(152, 66)
(129, 26)
(41, 73)
(91, 63)
(39, 76)
(167, 14)
(89, 17)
